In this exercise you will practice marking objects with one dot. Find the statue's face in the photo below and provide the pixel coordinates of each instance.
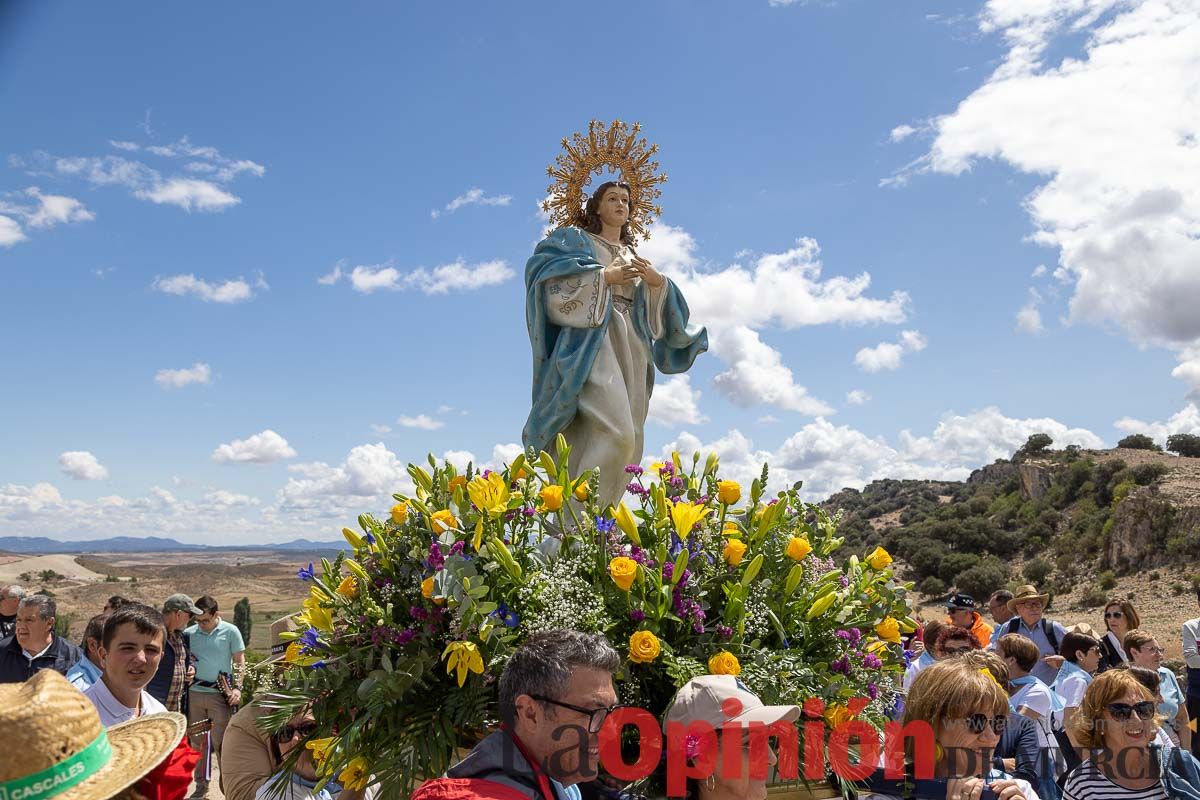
(614, 207)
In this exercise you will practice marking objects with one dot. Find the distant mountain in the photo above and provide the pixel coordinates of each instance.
(149, 544)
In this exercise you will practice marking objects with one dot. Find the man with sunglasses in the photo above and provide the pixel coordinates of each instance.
(555, 693)
(299, 783)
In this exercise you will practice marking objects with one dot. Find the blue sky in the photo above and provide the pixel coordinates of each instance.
(175, 181)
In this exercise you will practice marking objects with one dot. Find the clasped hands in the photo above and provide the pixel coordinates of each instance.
(622, 273)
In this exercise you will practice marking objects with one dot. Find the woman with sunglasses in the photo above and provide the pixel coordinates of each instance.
(968, 711)
(1144, 651)
(1120, 617)
(1117, 723)
(299, 782)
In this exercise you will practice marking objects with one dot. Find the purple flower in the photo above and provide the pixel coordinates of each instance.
(457, 548)
(853, 636)
(844, 581)
(528, 511)
(416, 612)
(636, 614)
(306, 574)
(435, 560)
(698, 627)
(637, 489)
(725, 632)
(604, 525)
(405, 636)
(842, 665)
(871, 660)
(668, 570)
(667, 469)
(634, 469)
(908, 658)
(872, 691)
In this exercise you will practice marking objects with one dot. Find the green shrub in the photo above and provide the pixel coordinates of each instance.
(1037, 570)
(933, 586)
(1093, 598)
(1146, 474)
(984, 578)
(1139, 441)
(955, 563)
(1034, 445)
(1155, 575)
(1184, 444)
(1106, 579)
(1178, 588)
(1122, 491)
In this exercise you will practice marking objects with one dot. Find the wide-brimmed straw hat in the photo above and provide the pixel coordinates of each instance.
(55, 747)
(1027, 592)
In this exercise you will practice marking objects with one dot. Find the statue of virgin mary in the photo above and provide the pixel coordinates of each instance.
(601, 318)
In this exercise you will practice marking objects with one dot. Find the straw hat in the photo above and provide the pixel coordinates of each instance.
(1027, 592)
(54, 744)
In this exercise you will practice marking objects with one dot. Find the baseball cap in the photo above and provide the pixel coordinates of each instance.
(180, 602)
(703, 699)
(961, 601)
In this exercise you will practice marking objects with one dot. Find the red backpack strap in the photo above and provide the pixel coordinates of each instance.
(466, 789)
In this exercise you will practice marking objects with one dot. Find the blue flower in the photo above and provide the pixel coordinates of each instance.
(318, 665)
(306, 574)
(604, 525)
(370, 539)
(311, 639)
(505, 615)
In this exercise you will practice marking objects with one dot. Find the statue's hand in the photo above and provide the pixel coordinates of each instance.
(620, 273)
(653, 278)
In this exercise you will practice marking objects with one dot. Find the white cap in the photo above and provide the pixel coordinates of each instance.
(704, 699)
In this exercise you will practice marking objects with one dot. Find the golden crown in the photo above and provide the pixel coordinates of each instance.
(618, 147)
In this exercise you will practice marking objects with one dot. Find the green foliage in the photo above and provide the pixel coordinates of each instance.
(983, 578)
(1148, 473)
(1093, 598)
(1122, 491)
(1139, 441)
(62, 625)
(242, 618)
(50, 576)
(933, 586)
(1106, 579)
(1184, 444)
(25, 577)
(1037, 570)
(954, 565)
(1035, 444)
(111, 579)
(1178, 588)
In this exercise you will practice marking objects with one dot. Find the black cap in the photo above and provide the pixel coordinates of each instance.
(961, 601)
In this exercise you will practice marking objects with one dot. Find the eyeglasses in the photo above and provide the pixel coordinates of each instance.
(1123, 711)
(1030, 603)
(1113, 614)
(977, 723)
(1158, 651)
(596, 716)
(288, 732)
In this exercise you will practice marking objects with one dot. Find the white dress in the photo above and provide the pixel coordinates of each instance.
(607, 431)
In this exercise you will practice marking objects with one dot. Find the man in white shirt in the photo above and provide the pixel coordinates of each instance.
(87, 670)
(131, 648)
(1032, 698)
(1191, 654)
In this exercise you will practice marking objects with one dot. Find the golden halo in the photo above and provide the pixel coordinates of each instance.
(618, 147)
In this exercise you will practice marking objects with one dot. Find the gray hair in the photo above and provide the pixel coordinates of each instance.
(12, 592)
(543, 665)
(47, 608)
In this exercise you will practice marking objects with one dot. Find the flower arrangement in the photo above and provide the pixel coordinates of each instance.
(400, 644)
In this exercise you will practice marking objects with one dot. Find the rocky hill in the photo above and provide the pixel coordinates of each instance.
(1085, 525)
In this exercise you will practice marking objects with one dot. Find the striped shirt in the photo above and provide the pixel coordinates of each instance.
(1087, 782)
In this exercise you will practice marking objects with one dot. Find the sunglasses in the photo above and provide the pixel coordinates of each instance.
(977, 723)
(288, 732)
(1123, 711)
(1113, 614)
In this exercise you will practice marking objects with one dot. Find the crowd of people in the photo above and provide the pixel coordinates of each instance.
(1022, 709)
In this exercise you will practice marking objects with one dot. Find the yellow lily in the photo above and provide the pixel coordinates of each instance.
(463, 657)
(355, 775)
(686, 515)
(627, 523)
(316, 616)
(489, 494)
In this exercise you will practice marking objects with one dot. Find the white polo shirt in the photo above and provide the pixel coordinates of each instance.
(112, 711)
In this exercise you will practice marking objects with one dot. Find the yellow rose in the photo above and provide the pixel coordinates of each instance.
(552, 498)
(889, 630)
(729, 492)
(443, 521)
(838, 714)
(400, 513)
(355, 775)
(879, 558)
(643, 647)
(427, 587)
(724, 663)
(348, 587)
(734, 550)
(622, 570)
(581, 492)
(798, 548)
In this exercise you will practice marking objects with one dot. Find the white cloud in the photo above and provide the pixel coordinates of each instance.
(422, 421)
(456, 276)
(19, 502)
(368, 476)
(505, 453)
(757, 374)
(10, 232)
(225, 499)
(675, 403)
(669, 249)
(890, 355)
(332, 277)
(1029, 320)
(82, 466)
(54, 209)
(1111, 132)
(1187, 420)
(1038, 271)
(381, 429)
(768, 419)
(261, 448)
(189, 194)
(472, 197)
(857, 397)
(828, 457)
(902, 132)
(199, 373)
(131, 147)
(232, 291)
(459, 458)
(1189, 371)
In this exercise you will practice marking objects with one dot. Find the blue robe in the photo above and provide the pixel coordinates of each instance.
(563, 357)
